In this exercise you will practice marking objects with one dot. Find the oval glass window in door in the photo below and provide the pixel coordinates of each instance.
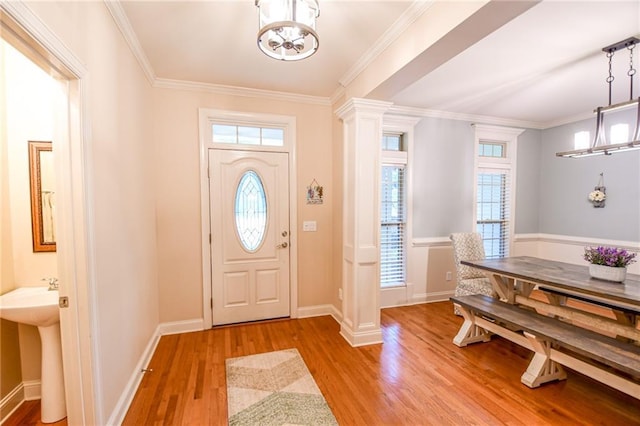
(251, 211)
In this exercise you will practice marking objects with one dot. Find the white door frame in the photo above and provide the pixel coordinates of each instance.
(288, 123)
(75, 230)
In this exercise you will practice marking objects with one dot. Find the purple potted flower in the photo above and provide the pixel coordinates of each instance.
(608, 263)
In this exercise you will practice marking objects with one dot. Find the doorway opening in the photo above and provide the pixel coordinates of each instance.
(249, 216)
(25, 32)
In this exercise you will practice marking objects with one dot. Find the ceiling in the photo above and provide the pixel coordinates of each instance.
(545, 67)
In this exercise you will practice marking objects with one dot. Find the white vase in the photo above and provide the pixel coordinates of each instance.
(608, 273)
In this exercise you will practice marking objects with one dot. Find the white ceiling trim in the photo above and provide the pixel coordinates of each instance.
(165, 83)
(484, 119)
(337, 94)
(33, 25)
(123, 24)
(572, 119)
(417, 8)
(413, 12)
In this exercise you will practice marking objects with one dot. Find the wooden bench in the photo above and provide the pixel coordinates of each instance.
(546, 336)
(623, 315)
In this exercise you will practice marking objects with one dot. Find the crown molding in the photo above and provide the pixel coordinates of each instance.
(484, 119)
(417, 8)
(337, 95)
(55, 50)
(123, 24)
(568, 120)
(362, 105)
(220, 89)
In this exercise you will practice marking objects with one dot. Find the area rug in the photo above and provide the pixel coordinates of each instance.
(274, 388)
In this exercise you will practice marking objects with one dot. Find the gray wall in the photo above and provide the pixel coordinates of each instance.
(528, 183)
(551, 192)
(443, 178)
(565, 184)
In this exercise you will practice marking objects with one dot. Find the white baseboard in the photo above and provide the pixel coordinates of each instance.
(121, 408)
(336, 314)
(320, 311)
(315, 311)
(120, 411)
(186, 326)
(440, 296)
(360, 338)
(32, 390)
(11, 402)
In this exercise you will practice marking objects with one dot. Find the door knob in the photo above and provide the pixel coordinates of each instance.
(283, 245)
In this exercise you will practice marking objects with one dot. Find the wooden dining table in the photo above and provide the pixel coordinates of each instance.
(567, 278)
(588, 310)
(514, 278)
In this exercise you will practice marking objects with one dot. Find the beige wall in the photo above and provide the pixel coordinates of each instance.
(121, 188)
(178, 204)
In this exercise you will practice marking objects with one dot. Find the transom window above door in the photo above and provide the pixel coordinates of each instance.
(247, 135)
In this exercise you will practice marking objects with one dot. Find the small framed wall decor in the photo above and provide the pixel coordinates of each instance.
(315, 193)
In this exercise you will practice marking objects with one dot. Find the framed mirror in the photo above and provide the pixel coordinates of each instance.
(42, 180)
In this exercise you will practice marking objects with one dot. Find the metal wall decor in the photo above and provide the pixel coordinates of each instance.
(599, 193)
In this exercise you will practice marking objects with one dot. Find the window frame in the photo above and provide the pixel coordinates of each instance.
(397, 158)
(209, 117)
(509, 137)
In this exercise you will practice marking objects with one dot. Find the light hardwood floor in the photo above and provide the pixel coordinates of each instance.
(417, 377)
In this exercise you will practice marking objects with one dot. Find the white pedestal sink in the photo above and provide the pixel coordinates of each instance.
(38, 306)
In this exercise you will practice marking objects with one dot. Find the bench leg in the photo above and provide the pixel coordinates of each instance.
(469, 331)
(541, 368)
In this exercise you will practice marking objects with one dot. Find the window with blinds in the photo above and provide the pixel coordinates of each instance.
(392, 232)
(495, 174)
(493, 211)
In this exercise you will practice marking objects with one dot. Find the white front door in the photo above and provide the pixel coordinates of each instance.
(249, 213)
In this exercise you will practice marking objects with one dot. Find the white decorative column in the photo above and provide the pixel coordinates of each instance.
(362, 122)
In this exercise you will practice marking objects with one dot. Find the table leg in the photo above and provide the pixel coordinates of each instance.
(556, 299)
(524, 288)
(542, 368)
(626, 318)
(503, 286)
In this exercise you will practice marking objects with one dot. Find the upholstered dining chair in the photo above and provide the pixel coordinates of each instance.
(468, 246)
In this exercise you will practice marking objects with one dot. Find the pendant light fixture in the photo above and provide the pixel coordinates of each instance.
(600, 145)
(288, 28)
